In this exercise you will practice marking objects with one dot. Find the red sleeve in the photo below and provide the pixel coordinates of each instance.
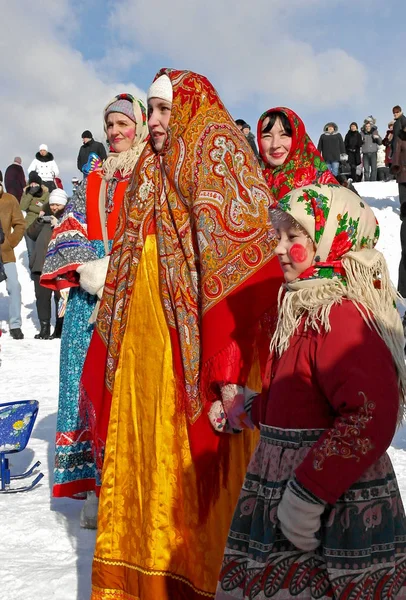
(356, 372)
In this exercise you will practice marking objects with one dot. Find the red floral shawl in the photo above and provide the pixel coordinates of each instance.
(304, 164)
(209, 201)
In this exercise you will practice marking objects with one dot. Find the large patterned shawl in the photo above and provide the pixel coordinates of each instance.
(209, 201)
(304, 164)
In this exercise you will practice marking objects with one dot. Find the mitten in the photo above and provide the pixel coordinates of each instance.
(93, 275)
(234, 404)
(343, 157)
(299, 514)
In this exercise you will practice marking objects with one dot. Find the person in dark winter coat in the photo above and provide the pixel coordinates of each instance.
(399, 165)
(370, 142)
(399, 124)
(40, 231)
(14, 179)
(331, 146)
(387, 142)
(89, 145)
(353, 144)
(246, 129)
(402, 264)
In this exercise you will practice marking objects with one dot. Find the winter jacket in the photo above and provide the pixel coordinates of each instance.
(399, 159)
(12, 222)
(398, 125)
(45, 166)
(387, 142)
(34, 203)
(252, 143)
(370, 140)
(40, 232)
(343, 381)
(353, 144)
(86, 149)
(331, 145)
(14, 180)
(3, 275)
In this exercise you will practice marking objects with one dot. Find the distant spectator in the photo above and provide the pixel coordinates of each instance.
(12, 222)
(40, 232)
(387, 142)
(382, 171)
(33, 201)
(331, 146)
(402, 264)
(370, 142)
(46, 167)
(3, 275)
(89, 145)
(399, 124)
(250, 138)
(399, 164)
(246, 129)
(353, 144)
(14, 179)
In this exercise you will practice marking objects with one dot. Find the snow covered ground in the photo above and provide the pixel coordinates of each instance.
(44, 553)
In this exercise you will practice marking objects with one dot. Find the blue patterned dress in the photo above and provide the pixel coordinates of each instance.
(71, 247)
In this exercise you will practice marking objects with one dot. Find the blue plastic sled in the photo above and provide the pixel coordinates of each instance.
(16, 422)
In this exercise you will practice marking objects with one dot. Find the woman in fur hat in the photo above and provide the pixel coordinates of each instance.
(320, 514)
(78, 257)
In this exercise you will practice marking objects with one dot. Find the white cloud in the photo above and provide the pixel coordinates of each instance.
(50, 93)
(246, 46)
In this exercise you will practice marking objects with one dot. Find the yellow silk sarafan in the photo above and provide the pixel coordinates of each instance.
(150, 543)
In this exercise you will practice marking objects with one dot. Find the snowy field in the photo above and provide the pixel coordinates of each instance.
(44, 553)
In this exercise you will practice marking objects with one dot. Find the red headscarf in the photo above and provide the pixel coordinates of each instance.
(304, 164)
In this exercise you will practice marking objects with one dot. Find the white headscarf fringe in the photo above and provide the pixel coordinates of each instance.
(123, 162)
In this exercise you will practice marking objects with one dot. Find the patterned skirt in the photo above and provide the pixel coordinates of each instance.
(363, 536)
(75, 470)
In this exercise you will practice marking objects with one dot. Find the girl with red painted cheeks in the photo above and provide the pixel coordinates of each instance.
(290, 158)
(320, 514)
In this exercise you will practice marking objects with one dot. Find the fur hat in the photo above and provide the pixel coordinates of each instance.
(161, 88)
(58, 196)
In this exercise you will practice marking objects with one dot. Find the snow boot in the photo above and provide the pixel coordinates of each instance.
(58, 329)
(45, 331)
(88, 514)
(16, 334)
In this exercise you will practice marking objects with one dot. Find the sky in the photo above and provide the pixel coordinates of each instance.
(61, 62)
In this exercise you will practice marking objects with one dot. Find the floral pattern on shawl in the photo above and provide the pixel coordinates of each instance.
(209, 201)
(304, 164)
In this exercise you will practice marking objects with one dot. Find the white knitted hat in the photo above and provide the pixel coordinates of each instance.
(161, 88)
(58, 196)
(43, 147)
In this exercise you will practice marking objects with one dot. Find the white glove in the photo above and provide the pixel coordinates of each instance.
(93, 275)
(54, 221)
(343, 157)
(299, 517)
